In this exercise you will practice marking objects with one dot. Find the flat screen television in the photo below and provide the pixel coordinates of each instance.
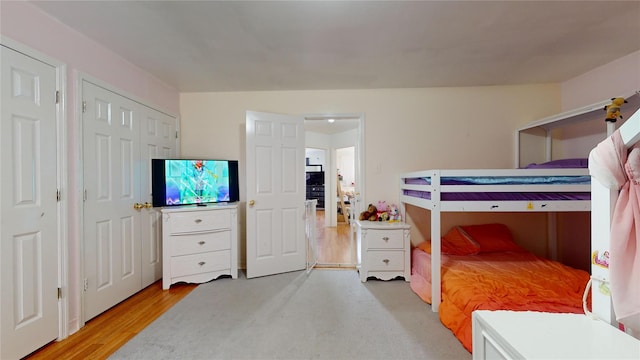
(177, 182)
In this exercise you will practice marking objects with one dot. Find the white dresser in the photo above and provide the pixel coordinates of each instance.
(383, 250)
(538, 335)
(199, 243)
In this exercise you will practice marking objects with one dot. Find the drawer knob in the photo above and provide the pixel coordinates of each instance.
(386, 261)
(201, 263)
(201, 243)
(198, 221)
(386, 238)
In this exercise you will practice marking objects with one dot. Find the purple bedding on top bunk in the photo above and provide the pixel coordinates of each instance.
(501, 196)
(506, 180)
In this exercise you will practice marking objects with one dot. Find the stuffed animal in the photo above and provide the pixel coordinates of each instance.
(382, 211)
(613, 109)
(394, 213)
(371, 214)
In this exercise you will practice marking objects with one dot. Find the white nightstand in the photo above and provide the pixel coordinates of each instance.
(383, 250)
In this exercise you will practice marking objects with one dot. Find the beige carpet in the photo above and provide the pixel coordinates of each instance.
(327, 314)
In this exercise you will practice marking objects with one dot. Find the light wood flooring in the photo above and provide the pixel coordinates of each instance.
(333, 243)
(106, 333)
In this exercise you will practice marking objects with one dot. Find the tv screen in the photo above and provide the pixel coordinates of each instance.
(194, 181)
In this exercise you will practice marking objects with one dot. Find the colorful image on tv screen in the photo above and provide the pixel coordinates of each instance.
(196, 181)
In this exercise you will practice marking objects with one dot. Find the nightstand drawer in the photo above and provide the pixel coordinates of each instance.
(385, 239)
(201, 242)
(197, 221)
(200, 263)
(385, 260)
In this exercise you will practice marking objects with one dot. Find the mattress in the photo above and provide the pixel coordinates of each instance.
(519, 281)
(501, 196)
(421, 273)
(503, 180)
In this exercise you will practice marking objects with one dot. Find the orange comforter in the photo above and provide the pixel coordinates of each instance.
(506, 281)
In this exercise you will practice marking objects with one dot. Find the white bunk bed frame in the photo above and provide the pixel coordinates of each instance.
(599, 226)
(436, 206)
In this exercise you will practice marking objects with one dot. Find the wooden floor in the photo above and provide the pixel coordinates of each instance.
(106, 333)
(333, 243)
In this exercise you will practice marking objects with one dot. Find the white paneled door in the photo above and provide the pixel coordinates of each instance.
(29, 215)
(275, 194)
(157, 141)
(111, 150)
(122, 238)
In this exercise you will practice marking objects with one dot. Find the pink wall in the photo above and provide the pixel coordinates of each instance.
(25, 24)
(620, 77)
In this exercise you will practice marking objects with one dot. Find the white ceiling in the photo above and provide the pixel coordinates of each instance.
(202, 46)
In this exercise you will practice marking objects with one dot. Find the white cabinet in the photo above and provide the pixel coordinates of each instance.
(538, 335)
(199, 243)
(383, 250)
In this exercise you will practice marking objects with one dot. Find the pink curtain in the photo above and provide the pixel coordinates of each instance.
(617, 167)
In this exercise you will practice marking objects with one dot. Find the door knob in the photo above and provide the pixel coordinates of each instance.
(148, 205)
(251, 202)
(138, 206)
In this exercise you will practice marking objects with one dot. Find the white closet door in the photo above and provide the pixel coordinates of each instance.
(29, 226)
(111, 176)
(157, 141)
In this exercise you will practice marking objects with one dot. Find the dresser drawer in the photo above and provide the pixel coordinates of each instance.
(200, 263)
(385, 239)
(385, 260)
(182, 222)
(184, 244)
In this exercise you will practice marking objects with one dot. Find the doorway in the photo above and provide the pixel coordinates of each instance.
(333, 144)
(345, 166)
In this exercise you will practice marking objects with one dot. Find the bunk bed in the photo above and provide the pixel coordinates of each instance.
(551, 187)
(491, 190)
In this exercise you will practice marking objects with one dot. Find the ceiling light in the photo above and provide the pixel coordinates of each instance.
(331, 121)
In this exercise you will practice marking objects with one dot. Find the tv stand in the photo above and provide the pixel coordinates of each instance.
(199, 243)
